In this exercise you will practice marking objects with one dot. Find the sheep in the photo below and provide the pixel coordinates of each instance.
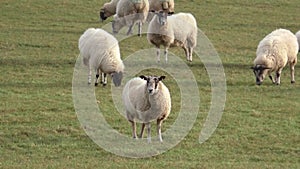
(108, 9)
(100, 51)
(176, 30)
(298, 37)
(146, 98)
(273, 53)
(128, 13)
(160, 5)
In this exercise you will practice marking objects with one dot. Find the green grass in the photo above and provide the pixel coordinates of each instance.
(38, 124)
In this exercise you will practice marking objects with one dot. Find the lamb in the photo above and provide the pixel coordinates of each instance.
(108, 9)
(146, 98)
(161, 5)
(177, 30)
(273, 53)
(298, 37)
(100, 51)
(128, 13)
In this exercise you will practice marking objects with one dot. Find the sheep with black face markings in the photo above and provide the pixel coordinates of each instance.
(176, 30)
(273, 53)
(108, 9)
(100, 51)
(146, 99)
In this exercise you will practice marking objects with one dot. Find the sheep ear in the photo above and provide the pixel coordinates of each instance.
(161, 78)
(143, 77)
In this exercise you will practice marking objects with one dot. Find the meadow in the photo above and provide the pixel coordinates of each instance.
(39, 127)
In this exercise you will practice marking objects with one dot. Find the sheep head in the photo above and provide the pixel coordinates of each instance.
(152, 83)
(117, 78)
(103, 16)
(260, 72)
(162, 17)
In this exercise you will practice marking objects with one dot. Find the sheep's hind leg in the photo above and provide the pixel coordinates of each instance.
(292, 69)
(129, 32)
(149, 132)
(273, 81)
(159, 122)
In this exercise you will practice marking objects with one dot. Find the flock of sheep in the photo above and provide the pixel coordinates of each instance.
(146, 98)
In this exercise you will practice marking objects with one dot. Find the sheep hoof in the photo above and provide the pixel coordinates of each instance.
(293, 81)
(104, 84)
(96, 84)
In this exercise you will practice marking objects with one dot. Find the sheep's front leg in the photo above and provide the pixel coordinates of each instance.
(97, 77)
(90, 76)
(133, 124)
(159, 122)
(158, 54)
(273, 81)
(190, 56)
(103, 79)
(277, 78)
(142, 130)
(130, 30)
(149, 132)
(140, 29)
(166, 54)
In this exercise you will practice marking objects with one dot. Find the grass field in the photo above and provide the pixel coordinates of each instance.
(39, 128)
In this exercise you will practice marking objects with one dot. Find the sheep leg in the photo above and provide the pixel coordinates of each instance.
(277, 78)
(158, 54)
(166, 54)
(292, 68)
(149, 132)
(186, 51)
(140, 29)
(103, 79)
(270, 76)
(97, 77)
(159, 122)
(130, 29)
(190, 54)
(90, 76)
(142, 130)
(133, 129)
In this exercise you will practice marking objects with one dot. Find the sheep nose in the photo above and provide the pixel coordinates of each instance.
(150, 90)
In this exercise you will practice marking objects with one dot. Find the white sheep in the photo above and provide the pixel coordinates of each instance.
(128, 13)
(160, 5)
(146, 99)
(298, 37)
(108, 9)
(100, 51)
(273, 53)
(176, 30)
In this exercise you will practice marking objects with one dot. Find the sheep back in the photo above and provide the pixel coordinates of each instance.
(181, 29)
(277, 49)
(100, 49)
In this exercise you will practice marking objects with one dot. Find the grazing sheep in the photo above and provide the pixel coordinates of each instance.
(100, 51)
(273, 53)
(177, 30)
(128, 13)
(160, 5)
(108, 9)
(146, 98)
(298, 37)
